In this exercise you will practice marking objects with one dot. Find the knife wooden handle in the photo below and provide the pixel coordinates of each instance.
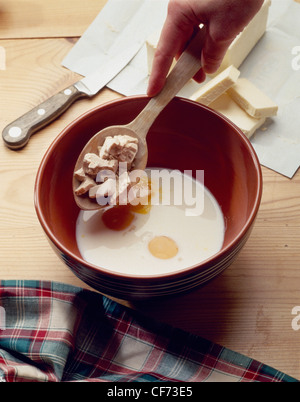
(17, 133)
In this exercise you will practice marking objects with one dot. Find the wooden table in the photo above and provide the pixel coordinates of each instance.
(248, 308)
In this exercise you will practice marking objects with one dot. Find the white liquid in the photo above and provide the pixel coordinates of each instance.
(126, 251)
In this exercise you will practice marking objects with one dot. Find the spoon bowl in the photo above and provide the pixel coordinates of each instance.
(140, 161)
(186, 67)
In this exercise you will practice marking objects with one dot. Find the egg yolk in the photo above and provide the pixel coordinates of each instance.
(119, 217)
(140, 209)
(163, 247)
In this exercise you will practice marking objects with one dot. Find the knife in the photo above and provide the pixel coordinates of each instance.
(18, 133)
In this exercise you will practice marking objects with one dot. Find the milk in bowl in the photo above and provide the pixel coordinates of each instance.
(179, 225)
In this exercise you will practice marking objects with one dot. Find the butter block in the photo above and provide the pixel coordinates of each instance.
(250, 98)
(210, 91)
(247, 39)
(225, 105)
(151, 46)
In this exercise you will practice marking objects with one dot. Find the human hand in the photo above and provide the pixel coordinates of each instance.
(224, 20)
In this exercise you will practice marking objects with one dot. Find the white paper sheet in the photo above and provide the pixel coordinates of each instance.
(269, 66)
(119, 22)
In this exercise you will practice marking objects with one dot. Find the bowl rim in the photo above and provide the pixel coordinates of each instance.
(134, 277)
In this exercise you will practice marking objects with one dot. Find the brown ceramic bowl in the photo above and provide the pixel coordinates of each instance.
(185, 136)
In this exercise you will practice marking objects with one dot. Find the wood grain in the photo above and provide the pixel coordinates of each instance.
(33, 74)
(55, 18)
(248, 308)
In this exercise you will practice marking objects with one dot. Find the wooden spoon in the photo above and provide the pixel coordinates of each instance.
(186, 67)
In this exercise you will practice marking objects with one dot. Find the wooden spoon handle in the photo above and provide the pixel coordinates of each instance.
(186, 67)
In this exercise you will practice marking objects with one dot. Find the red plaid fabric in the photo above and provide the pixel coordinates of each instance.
(51, 332)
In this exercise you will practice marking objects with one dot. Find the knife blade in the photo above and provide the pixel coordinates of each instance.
(17, 134)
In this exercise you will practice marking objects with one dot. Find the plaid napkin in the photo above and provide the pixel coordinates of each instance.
(52, 332)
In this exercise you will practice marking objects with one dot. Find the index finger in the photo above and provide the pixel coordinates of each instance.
(172, 40)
